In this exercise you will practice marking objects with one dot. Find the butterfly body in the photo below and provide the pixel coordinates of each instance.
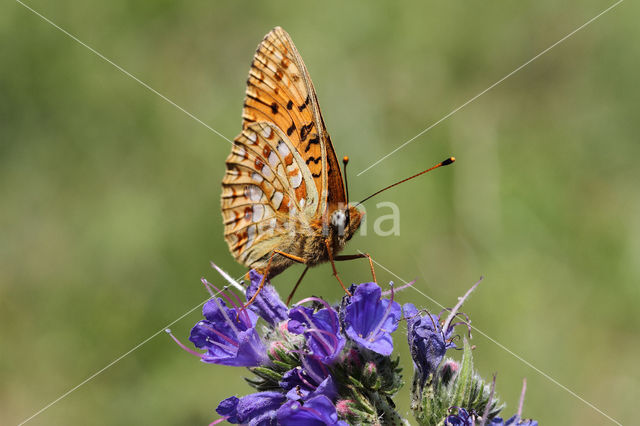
(283, 192)
(309, 242)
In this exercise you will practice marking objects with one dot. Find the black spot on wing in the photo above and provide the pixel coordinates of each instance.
(304, 105)
(291, 129)
(305, 130)
(313, 160)
(313, 140)
(257, 99)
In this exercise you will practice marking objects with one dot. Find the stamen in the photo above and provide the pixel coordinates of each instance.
(436, 324)
(402, 287)
(240, 303)
(310, 372)
(226, 317)
(175, 339)
(303, 380)
(230, 350)
(323, 303)
(417, 314)
(521, 403)
(222, 292)
(332, 336)
(454, 325)
(466, 317)
(220, 420)
(218, 333)
(207, 284)
(313, 326)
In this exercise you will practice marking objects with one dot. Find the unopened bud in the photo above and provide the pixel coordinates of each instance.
(343, 407)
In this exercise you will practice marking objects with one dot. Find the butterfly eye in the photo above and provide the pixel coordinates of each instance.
(339, 219)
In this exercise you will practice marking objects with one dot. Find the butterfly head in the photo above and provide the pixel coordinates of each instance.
(345, 222)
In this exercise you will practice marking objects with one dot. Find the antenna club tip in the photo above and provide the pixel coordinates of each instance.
(345, 159)
(449, 161)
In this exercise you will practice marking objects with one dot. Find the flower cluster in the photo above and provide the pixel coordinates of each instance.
(322, 364)
(314, 363)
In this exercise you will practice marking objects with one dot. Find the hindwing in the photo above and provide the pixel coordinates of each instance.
(268, 193)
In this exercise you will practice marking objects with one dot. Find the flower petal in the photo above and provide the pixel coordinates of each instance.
(259, 408)
(321, 330)
(229, 408)
(268, 303)
(316, 411)
(370, 320)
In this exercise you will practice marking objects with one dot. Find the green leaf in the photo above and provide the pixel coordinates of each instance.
(463, 383)
(356, 382)
(267, 374)
(282, 365)
(361, 400)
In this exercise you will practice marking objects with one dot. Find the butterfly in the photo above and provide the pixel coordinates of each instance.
(283, 197)
(284, 200)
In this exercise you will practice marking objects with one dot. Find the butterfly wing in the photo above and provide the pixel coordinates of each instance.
(280, 91)
(282, 174)
(268, 191)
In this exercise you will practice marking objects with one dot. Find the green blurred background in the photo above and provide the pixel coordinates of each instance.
(110, 195)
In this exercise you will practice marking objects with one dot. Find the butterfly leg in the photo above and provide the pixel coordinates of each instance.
(358, 256)
(297, 284)
(290, 256)
(333, 265)
(266, 274)
(264, 278)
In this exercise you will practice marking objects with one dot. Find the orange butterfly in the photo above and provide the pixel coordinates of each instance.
(283, 197)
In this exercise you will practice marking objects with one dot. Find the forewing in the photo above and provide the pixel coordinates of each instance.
(279, 90)
(268, 192)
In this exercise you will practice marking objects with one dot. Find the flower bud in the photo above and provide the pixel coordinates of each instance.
(344, 407)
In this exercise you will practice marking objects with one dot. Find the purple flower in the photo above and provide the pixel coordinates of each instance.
(427, 341)
(228, 409)
(256, 409)
(462, 418)
(267, 304)
(310, 380)
(321, 330)
(513, 421)
(315, 411)
(370, 320)
(229, 338)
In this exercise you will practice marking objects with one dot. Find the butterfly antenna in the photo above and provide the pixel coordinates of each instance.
(440, 164)
(345, 161)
